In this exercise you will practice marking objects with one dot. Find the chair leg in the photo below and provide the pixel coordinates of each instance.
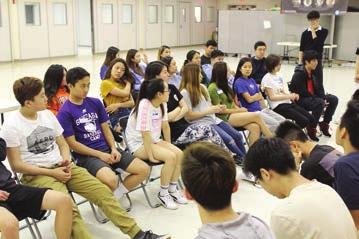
(130, 202)
(30, 228)
(39, 236)
(97, 217)
(148, 198)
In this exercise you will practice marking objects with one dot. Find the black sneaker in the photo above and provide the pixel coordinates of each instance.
(150, 235)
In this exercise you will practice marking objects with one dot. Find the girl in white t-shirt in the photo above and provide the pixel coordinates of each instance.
(279, 99)
(147, 122)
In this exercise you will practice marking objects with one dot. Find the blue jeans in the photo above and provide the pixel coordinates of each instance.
(231, 137)
(114, 117)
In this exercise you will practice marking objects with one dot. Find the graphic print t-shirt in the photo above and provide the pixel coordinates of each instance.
(36, 139)
(84, 122)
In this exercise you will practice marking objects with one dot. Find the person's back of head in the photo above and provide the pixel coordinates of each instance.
(209, 175)
(290, 131)
(348, 130)
(355, 96)
(26, 89)
(268, 160)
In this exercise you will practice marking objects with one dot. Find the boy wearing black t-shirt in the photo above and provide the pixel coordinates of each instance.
(318, 160)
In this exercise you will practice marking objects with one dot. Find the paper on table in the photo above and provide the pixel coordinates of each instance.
(267, 24)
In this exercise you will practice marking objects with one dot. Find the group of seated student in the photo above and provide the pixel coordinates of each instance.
(170, 111)
(37, 149)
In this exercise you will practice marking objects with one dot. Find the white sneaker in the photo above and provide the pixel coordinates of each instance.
(167, 201)
(178, 197)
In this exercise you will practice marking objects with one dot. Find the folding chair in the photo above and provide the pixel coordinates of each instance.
(30, 222)
(123, 123)
(97, 217)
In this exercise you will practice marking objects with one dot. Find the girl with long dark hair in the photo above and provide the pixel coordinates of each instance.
(147, 123)
(182, 133)
(55, 87)
(202, 111)
(116, 91)
(222, 94)
(111, 53)
(250, 97)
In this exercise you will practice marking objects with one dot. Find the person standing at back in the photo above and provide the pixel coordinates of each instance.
(313, 39)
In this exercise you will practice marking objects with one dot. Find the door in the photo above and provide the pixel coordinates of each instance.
(105, 24)
(5, 45)
(153, 19)
(33, 29)
(210, 18)
(197, 22)
(184, 23)
(127, 24)
(62, 39)
(169, 23)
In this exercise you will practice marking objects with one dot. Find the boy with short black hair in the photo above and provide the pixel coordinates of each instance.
(258, 62)
(308, 207)
(19, 201)
(211, 45)
(318, 160)
(203, 169)
(37, 149)
(313, 39)
(86, 130)
(346, 169)
(216, 56)
(312, 96)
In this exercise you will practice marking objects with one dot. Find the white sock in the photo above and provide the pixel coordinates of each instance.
(120, 191)
(173, 187)
(164, 190)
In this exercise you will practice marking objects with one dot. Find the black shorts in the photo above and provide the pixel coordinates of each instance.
(93, 164)
(25, 201)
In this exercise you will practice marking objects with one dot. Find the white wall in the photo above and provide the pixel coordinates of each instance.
(83, 12)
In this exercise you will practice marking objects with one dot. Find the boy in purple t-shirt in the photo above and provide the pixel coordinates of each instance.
(87, 132)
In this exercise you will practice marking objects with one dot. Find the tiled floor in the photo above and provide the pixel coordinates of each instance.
(184, 222)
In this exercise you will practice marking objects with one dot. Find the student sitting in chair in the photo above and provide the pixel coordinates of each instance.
(19, 201)
(37, 149)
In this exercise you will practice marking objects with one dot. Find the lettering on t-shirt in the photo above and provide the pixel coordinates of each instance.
(41, 140)
(88, 122)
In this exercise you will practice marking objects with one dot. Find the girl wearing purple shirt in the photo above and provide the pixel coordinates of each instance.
(112, 53)
(250, 97)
